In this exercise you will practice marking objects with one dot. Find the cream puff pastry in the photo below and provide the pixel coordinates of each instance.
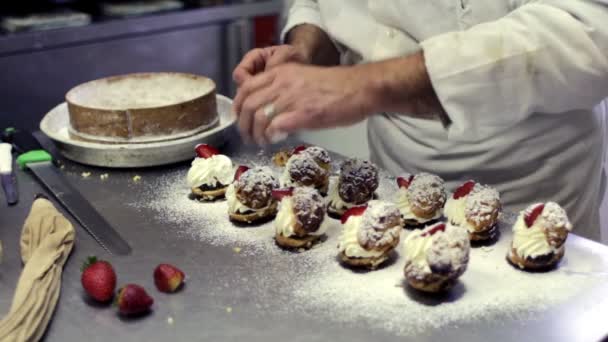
(210, 174)
(476, 208)
(356, 186)
(420, 198)
(435, 257)
(249, 197)
(308, 167)
(301, 221)
(539, 235)
(370, 233)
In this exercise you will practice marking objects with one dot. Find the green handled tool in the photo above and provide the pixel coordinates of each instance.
(40, 163)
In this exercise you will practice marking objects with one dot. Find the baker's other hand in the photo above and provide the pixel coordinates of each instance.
(291, 97)
(262, 59)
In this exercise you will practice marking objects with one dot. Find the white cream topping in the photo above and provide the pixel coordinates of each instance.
(336, 201)
(349, 242)
(532, 241)
(455, 211)
(403, 203)
(234, 205)
(210, 171)
(415, 249)
(286, 218)
(285, 178)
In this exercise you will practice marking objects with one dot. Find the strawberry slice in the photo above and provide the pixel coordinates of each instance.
(239, 171)
(299, 149)
(434, 230)
(403, 182)
(354, 211)
(464, 189)
(206, 151)
(532, 215)
(279, 194)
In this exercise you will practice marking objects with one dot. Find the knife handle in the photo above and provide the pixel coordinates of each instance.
(31, 150)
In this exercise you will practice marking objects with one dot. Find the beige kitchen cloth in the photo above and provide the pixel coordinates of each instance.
(46, 242)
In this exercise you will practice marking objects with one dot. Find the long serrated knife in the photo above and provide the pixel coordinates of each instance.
(40, 162)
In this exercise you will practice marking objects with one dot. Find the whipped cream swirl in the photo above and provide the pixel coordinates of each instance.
(217, 169)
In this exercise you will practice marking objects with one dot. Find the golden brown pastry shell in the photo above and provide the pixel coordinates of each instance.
(257, 216)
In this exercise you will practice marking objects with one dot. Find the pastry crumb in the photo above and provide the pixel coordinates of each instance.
(237, 250)
(170, 320)
(61, 167)
(136, 178)
(85, 174)
(229, 309)
(104, 176)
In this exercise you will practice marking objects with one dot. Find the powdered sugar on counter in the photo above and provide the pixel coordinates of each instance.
(317, 286)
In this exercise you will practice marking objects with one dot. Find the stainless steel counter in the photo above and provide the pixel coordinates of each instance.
(199, 311)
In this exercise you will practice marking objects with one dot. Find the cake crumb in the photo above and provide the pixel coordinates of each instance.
(136, 178)
(237, 250)
(85, 174)
(229, 309)
(104, 176)
(170, 320)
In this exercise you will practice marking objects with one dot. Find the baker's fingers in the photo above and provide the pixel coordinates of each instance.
(273, 133)
(260, 98)
(249, 87)
(252, 63)
(280, 56)
(296, 120)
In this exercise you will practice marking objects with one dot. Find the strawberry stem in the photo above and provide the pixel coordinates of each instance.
(88, 262)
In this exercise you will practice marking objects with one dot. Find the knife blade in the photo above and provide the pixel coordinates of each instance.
(40, 163)
(7, 176)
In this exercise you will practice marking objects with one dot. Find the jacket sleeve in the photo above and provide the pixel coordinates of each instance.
(302, 12)
(547, 56)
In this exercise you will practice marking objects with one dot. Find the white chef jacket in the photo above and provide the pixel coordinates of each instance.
(518, 79)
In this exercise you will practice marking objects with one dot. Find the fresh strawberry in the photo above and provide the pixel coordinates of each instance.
(132, 299)
(531, 215)
(299, 149)
(354, 211)
(434, 230)
(279, 194)
(464, 189)
(168, 278)
(405, 182)
(206, 151)
(98, 279)
(239, 171)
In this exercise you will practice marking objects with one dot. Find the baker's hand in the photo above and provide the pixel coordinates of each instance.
(259, 60)
(292, 97)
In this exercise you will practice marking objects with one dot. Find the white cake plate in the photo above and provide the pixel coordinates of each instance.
(55, 125)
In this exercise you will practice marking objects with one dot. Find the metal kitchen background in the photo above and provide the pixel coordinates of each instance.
(47, 47)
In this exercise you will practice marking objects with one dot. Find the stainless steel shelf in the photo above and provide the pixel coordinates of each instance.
(28, 42)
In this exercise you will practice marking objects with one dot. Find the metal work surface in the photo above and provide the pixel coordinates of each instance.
(221, 299)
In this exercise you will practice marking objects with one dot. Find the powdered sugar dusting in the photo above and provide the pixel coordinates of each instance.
(317, 286)
(482, 204)
(380, 225)
(556, 216)
(449, 252)
(426, 190)
(310, 208)
(318, 153)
